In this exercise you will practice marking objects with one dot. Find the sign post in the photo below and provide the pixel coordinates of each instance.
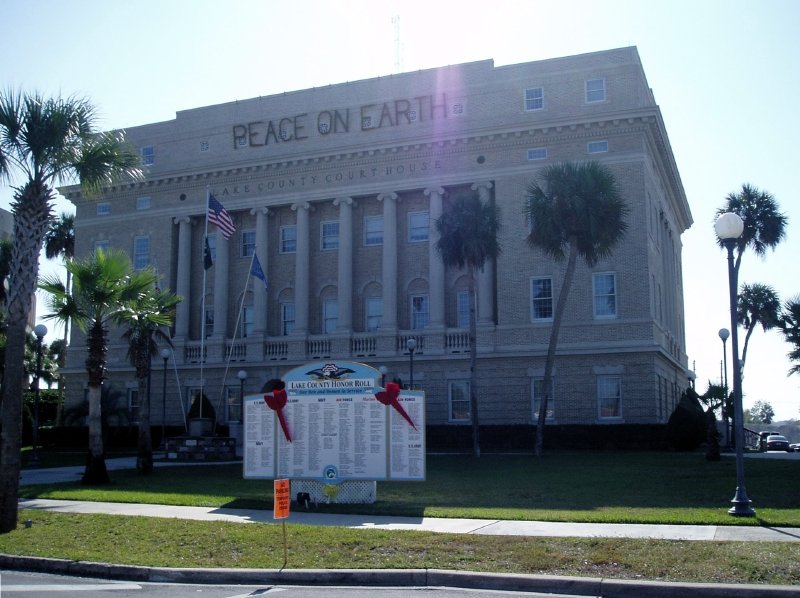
(282, 500)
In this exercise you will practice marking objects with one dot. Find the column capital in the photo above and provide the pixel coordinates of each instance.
(182, 220)
(302, 205)
(347, 201)
(434, 190)
(477, 186)
(262, 210)
(388, 195)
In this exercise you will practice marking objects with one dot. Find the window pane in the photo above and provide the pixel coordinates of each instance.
(537, 391)
(330, 236)
(141, 252)
(419, 312)
(596, 90)
(248, 243)
(597, 147)
(463, 309)
(373, 230)
(288, 239)
(330, 316)
(542, 298)
(534, 98)
(235, 400)
(605, 296)
(417, 226)
(459, 401)
(374, 313)
(609, 396)
(287, 319)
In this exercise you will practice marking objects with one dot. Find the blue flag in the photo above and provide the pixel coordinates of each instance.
(258, 272)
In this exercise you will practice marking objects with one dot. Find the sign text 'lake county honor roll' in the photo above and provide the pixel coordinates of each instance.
(333, 423)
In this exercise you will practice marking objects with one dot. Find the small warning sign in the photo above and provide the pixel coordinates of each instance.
(282, 494)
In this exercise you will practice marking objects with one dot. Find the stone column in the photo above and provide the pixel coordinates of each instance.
(345, 282)
(183, 278)
(221, 284)
(485, 280)
(260, 302)
(302, 269)
(389, 272)
(435, 264)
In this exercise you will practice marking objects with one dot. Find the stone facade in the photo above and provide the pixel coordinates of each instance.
(367, 167)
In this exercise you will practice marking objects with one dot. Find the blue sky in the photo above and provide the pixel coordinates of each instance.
(725, 74)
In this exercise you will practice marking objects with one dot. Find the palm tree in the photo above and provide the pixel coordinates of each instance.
(764, 224)
(789, 325)
(468, 231)
(758, 304)
(43, 142)
(143, 317)
(59, 241)
(575, 210)
(102, 285)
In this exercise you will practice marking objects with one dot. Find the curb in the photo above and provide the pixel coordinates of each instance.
(584, 586)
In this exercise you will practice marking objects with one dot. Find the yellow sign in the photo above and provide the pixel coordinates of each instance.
(282, 493)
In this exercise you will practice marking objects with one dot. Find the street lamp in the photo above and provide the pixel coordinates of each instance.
(40, 330)
(383, 370)
(729, 228)
(724, 333)
(411, 344)
(165, 355)
(242, 375)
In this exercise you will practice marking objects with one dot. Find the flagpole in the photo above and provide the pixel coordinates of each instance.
(203, 304)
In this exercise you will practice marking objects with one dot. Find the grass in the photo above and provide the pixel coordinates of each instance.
(664, 488)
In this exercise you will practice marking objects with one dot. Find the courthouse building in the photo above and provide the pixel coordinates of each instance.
(336, 191)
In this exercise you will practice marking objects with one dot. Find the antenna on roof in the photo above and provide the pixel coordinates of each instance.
(398, 45)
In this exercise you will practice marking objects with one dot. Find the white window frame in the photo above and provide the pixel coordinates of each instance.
(534, 99)
(462, 308)
(535, 298)
(373, 309)
(247, 246)
(537, 385)
(597, 147)
(143, 202)
(287, 318)
(248, 321)
(605, 399)
(420, 311)
(417, 230)
(330, 316)
(329, 235)
(458, 393)
(148, 154)
(234, 402)
(595, 90)
(537, 153)
(288, 239)
(373, 231)
(141, 252)
(209, 321)
(605, 296)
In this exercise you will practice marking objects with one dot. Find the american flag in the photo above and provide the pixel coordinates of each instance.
(217, 214)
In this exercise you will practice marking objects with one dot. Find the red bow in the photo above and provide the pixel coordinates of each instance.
(276, 400)
(389, 397)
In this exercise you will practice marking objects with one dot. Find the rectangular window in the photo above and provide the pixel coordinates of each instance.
(101, 245)
(534, 99)
(537, 392)
(248, 315)
(419, 312)
(462, 300)
(212, 245)
(234, 402)
(288, 238)
(541, 298)
(537, 153)
(374, 311)
(330, 316)
(373, 230)
(143, 203)
(133, 404)
(458, 401)
(248, 246)
(209, 321)
(103, 208)
(604, 287)
(141, 252)
(417, 227)
(597, 147)
(287, 318)
(148, 155)
(609, 396)
(329, 234)
(595, 90)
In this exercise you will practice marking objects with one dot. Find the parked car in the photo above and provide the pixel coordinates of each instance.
(795, 447)
(776, 442)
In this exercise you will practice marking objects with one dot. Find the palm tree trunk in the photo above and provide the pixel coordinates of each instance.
(144, 459)
(558, 316)
(31, 217)
(96, 472)
(744, 350)
(62, 360)
(473, 369)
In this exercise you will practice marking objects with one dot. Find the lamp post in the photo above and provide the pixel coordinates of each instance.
(242, 375)
(411, 344)
(165, 355)
(40, 330)
(383, 370)
(729, 228)
(724, 333)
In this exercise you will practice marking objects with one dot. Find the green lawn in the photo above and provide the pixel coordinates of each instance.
(561, 486)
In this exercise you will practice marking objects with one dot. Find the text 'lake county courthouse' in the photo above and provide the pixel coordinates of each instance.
(336, 189)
